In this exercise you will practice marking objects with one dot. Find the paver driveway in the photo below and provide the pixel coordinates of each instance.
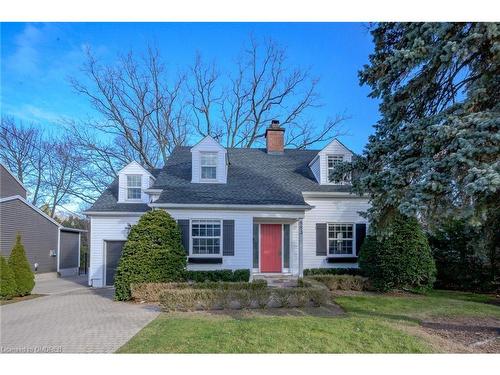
(72, 318)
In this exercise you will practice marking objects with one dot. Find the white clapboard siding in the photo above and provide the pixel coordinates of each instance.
(105, 229)
(243, 235)
(116, 228)
(133, 168)
(329, 210)
(208, 144)
(316, 169)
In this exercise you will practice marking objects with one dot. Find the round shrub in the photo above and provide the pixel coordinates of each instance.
(153, 253)
(7, 281)
(18, 263)
(402, 258)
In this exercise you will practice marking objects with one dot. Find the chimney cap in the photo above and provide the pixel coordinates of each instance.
(275, 126)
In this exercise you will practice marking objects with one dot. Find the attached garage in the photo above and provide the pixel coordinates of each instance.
(112, 254)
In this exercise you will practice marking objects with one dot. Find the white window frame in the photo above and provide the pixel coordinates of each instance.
(353, 253)
(347, 177)
(133, 187)
(191, 239)
(205, 153)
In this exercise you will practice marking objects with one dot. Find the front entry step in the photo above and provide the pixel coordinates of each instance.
(277, 280)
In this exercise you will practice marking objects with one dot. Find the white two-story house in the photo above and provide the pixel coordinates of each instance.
(272, 210)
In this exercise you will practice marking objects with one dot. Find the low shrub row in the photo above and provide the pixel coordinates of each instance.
(333, 271)
(151, 292)
(221, 295)
(219, 275)
(342, 282)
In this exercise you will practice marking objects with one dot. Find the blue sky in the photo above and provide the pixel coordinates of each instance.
(37, 59)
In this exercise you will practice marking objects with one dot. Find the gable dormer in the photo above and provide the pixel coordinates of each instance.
(208, 162)
(133, 180)
(333, 153)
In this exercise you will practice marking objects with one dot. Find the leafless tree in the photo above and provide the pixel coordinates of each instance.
(264, 87)
(22, 152)
(204, 97)
(140, 108)
(62, 178)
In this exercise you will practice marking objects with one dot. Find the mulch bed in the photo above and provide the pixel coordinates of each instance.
(477, 335)
(20, 299)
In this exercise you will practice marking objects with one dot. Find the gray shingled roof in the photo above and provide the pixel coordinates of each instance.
(254, 178)
(108, 199)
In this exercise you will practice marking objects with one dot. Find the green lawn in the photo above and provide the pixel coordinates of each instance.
(373, 324)
(435, 305)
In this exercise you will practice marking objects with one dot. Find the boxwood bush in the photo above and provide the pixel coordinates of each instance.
(333, 271)
(342, 282)
(218, 275)
(401, 259)
(18, 263)
(231, 295)
(7, 281)
(151, 292)
(153, 253)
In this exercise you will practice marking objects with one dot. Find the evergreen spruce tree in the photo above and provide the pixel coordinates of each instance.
(7, 281)
(435, 152)
(24, 277)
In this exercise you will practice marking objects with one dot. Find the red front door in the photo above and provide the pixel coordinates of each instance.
(270, 248)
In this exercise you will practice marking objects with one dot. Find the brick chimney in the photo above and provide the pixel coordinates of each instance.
(275, 138)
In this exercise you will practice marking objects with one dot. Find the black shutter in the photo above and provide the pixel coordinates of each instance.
(286, 245)
(360, 236)
(228, 237)
(184, 227)
(321, 239)
(256, 246)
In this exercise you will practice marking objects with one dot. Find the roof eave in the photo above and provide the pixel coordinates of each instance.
(248, 207)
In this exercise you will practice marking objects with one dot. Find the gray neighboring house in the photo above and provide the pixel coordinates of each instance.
(49, 246)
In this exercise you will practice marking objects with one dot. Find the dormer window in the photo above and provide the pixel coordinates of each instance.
(333, 162)
(134, 182)
(208, 163)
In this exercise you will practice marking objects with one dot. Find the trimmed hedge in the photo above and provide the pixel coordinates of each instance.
(7, 280)
(218, 275)
(401, 260)
(342, 282)
(153, 253)
(151, 292)
(333, 271)
(18, 263)
(237, 296)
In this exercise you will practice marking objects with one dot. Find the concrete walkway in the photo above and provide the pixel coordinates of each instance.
(72, 318)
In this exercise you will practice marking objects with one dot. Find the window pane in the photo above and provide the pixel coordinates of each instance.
(206, 236)
(133, 193)
(209, 159)
(340, 239)
(134, 180)
(209, 173)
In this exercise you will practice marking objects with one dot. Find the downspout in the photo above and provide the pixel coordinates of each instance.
(301, 249)
(58, 249)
